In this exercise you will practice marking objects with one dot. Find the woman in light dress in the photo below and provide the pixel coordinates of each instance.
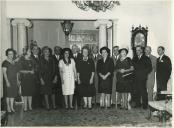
(68, 76)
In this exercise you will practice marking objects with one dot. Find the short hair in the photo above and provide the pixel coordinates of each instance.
(45, 48)
(85, 47)
(116, 47)
(149, 48)
(161, 47)
(9, 50)
(139, 46)
(57, 47)
(34, 46)
(107, 50)
(123, 49)
(74, 45)
(94, 46)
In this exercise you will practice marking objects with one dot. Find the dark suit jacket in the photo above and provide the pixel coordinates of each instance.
(95, 59)
(36, 68)
(95, 64)
(57, 73)
(143, 67)
(76, 59)
(163, 69)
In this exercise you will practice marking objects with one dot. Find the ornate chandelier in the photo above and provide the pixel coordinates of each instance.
(96, 5)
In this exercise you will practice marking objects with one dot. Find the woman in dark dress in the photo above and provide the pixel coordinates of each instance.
(47, 75)
(124, 69)
(10, 70)
(85, 72)
(105, 68)
(27, 79)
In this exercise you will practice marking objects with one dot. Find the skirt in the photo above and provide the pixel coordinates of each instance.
(105, 86)
(87, 90)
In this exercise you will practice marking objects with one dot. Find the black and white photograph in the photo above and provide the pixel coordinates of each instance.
(86, 63)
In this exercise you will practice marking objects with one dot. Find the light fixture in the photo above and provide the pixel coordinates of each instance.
(101, 5)
(67, 27)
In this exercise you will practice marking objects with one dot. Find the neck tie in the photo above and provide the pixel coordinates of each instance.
(95, 57)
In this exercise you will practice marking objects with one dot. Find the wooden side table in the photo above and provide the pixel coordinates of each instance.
(4, 118)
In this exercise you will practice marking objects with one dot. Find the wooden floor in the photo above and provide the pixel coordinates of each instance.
(83, 117)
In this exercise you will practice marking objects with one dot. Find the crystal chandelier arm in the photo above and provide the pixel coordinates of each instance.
(95, 5)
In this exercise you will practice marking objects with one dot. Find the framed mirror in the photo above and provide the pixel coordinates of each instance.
(138, 38)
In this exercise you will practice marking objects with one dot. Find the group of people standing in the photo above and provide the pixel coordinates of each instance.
(46, 78)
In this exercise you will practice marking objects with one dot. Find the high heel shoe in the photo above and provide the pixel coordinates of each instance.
(30, 109)
(13, 111)
(66, 107)
(9, 112)
(90, 108)
(84, 107)
(72, 108)
(25, 110)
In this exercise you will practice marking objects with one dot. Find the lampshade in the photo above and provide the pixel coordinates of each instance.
(67, 27)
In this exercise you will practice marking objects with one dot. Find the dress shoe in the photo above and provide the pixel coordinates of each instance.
(90, 108)
(144, 107)
(48, 109)
(55, 108)
(102, 107)
(118, 105)
(84, 107)
(137, 106)
(72, 108)
(9, 113)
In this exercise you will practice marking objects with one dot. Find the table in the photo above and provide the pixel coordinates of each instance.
(4, 118)
(164, 107)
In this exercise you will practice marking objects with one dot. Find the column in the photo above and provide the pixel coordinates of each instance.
(21, 33)
(103, 25)
(115, 21)
(110, 39)
(14, 37)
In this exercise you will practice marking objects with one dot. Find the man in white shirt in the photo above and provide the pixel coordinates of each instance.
(151, 76)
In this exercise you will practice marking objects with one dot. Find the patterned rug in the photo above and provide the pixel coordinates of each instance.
(84, 117)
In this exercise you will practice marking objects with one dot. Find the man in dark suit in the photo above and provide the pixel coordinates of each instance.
(116, 96)
(95, 57)
(163, 72)
(76, 56)
(37, 97)
(57, 87)
(143, 67)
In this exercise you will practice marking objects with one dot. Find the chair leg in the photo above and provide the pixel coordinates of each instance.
(149, 114)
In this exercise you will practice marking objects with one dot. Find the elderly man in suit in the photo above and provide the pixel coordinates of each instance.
(163, 72)
(57, 87)
(95, 57)
(115, 95)
(151, 76)
(76, 56)
(143, 67)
